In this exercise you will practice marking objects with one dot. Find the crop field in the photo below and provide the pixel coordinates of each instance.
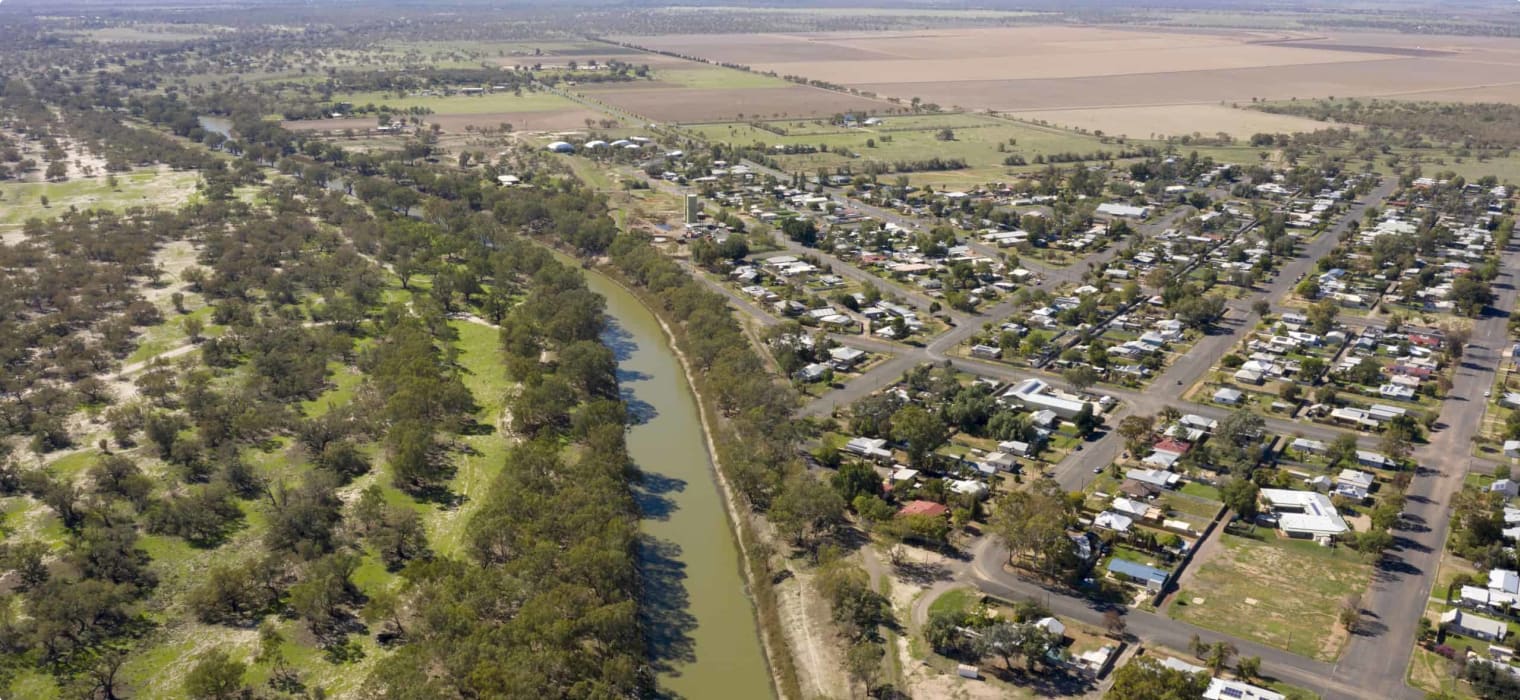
(1048, 71)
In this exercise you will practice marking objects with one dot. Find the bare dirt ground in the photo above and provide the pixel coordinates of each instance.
(1065, 68)
(811, 639)
(1003, 53)
(699, 105)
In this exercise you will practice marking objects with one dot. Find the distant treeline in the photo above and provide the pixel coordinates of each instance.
(1476, 126)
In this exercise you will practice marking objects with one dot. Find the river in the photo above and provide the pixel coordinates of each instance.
(701, 622)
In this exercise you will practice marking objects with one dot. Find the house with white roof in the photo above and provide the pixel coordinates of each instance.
(1109, 520)
(1305, 514)
(1037, 395)
(870, 448)
(1224, 689)
(1469, 625)
(1353, 484)
(1154, 477)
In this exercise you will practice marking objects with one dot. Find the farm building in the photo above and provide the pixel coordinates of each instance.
(561, 147)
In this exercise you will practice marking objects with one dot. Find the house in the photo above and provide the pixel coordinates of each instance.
(870, 448)
(1376, 460)
(1197, 422)
(1152, 578)
(1016, 448)
(1171, 446)
(1001, 461)
(1044, 418)
(1512, 448)
(1139, 489)
(1506, 580)
(929, 508)
(1222, 689)
(1398, 392)
(1139, 510)
(1245, 376)
(1037, 395)
(1353, 484)
(813, 372)
(1161, 460)
(1122, 211)
(845, 359)
(1051, 625)
(1508, 487)
(1305, 514)
(1109, 520)
(968, 487)
(1228, 396)
(1469, 625)
(1307, 446)
(1154, 477)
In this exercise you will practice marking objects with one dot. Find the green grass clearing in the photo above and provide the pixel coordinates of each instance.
(462, 104)
(165, 188)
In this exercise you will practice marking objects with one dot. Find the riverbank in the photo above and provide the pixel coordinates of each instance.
(753, 562)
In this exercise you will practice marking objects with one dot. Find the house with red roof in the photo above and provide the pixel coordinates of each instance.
(923, 508)
(1173, 446)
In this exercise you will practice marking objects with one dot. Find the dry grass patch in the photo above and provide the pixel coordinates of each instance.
(1283, 593)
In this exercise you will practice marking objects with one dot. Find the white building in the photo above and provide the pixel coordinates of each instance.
(1305, 514)
(1036, 395)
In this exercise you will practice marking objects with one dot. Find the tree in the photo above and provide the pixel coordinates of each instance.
(805, 509)
(1217, 656)
(1342, 450)
(1002, 640)
(863, 662)
(855, 480)
(1137, 431)
(1351, 613)
(1032, 523)
(1470, 295)
(1321, 315)
(920, 431)
(193, 327)
(1086, 422)
(1144, 678)
(215, 676)
(1249, 667)
(1080, 377)
(1240, 495)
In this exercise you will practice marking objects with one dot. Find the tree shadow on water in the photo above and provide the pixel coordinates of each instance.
(619, 340)
(652, 492)
(665, 614)
(639, 411)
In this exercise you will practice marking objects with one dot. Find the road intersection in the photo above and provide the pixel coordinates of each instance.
(1374, 662)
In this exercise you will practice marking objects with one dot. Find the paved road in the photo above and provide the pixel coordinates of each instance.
(1377, 659)
(1374, 662)
(986, 572)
